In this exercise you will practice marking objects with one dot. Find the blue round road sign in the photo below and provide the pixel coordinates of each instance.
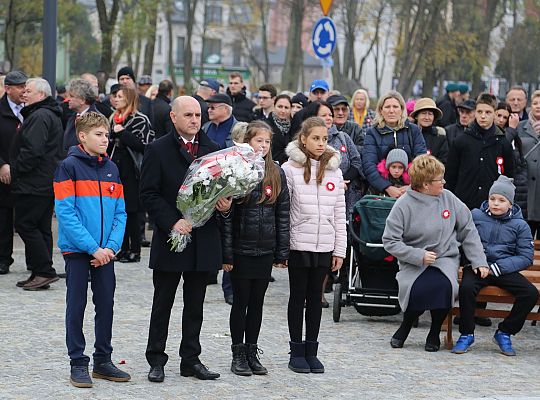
(324, 37)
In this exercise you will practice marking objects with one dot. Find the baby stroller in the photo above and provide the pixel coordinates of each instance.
(372, 286)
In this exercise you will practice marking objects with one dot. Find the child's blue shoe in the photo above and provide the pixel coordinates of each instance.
(504, 342)
(463, 343)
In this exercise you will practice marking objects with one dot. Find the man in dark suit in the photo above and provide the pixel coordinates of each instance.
(11, 105)
(165, 164)
(81, 99)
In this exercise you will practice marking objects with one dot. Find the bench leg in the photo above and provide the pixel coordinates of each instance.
(448, 340)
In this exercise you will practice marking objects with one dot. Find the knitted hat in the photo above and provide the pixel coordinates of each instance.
(397, 156)
(300, 98)
(504, 187)
(126, 71)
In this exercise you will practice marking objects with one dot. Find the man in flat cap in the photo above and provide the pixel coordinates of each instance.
(207, 88)
(222, 120)
(11, 104)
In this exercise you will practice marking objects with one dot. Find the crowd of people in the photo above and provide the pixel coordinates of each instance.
(107, 166)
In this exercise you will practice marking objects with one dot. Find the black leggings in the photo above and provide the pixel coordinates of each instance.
(437, 319)
(132, 235)
(305, 287)
(247, 309)
(535, 228)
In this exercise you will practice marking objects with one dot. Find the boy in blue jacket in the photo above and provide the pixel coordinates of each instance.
(89, 204)
(509, 249)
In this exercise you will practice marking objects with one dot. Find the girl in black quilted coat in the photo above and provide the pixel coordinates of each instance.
(255, 237)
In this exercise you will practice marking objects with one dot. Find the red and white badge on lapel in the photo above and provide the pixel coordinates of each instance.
(268, 190)
(500, 165)
(330, 186)
(343, 149)
(446, 214)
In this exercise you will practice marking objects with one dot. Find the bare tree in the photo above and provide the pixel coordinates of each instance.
(191, 6)
(293, 56)
(150, 37)
(107, 23)
(170, 59)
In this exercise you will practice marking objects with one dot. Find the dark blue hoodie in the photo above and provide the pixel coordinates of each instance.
(507, 239)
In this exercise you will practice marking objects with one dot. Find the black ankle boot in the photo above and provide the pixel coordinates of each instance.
(253, 359)
(239, 364)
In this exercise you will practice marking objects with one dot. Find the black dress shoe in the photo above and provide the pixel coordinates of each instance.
(199, 371)
(482, 321)
(396, 343)
(432, 347)
(229, 299)
(156, 374)
(145, 243)
(4, 269)
(272, 279)
(131, 258)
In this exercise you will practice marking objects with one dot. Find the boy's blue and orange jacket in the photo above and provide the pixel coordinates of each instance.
(89, 203)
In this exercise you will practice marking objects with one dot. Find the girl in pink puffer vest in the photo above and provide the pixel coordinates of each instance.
(318, 235)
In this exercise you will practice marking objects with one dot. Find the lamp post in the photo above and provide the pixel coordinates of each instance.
(49, 42)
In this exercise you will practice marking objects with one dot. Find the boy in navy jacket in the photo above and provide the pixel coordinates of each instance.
(509, 249)
(89, 204)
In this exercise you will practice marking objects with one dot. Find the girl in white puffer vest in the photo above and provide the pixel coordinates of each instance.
(318, 235)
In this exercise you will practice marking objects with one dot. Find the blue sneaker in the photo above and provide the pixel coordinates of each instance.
(463, 343)
(504, 342)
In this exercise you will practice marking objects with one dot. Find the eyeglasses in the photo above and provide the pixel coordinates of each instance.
(439, 180)
(214, 107)
(264, 98)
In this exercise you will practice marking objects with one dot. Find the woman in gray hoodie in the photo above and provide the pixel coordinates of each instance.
(424, 231)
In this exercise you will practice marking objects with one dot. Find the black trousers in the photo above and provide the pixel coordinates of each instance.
(247, 309)
(525, 293)
(194, 291)
(132, 235)
(6, 235)
(305, 286)
(535, 228)
(33, 215)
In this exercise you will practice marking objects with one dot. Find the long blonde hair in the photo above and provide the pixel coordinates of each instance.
(379, 119)
(272, 177)
(305, 131)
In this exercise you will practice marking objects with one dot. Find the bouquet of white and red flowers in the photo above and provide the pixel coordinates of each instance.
(234, 171)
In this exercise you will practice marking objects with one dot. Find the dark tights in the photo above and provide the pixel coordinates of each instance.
(132, 235)
(247, 309)
(437, 318)
(305, 288)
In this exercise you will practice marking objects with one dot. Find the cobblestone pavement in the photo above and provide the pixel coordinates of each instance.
(360, 364)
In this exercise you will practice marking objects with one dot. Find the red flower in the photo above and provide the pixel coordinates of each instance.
(446, 214)
(183, 187)
(330, 186)
(215, 170)
(343, 149)
(268, 190)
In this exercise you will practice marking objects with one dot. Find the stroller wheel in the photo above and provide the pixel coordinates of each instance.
(336, 310)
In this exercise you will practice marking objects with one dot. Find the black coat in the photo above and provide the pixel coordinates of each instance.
(449, 110)
(37, 149)
(204, 109)
(355, 132)
(453, 132)
(472, 164)
(136, 135)
(165, 165)
(145, 106)
(242, 106)
(8, 128)
(162, 123)
(279, 141)
(258, 229)
(436, 143)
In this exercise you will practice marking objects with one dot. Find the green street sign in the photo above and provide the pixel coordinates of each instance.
(213, 72)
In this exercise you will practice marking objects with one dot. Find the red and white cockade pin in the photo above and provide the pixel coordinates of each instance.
(111, 188)
(446, 214)
(330, 186)
(268, 190)
(343, 149)
(429, 152)
(500, 165)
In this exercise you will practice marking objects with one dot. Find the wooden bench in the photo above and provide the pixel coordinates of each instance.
(493, 294)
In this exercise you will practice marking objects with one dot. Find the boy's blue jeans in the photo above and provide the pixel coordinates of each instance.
(103, 283)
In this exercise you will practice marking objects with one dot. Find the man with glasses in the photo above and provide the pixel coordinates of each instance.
(242, 106)
(267, 95)
(341, 109)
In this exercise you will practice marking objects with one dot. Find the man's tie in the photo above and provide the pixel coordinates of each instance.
(18, 107)
(189, 146)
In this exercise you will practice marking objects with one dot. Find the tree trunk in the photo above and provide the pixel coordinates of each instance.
(150, 39)
(170, 58)
(188, 55)
(264, 39)
(337, 76)
(107, 24)
(294, 54)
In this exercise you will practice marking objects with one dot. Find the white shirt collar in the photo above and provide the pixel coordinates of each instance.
(14, 107)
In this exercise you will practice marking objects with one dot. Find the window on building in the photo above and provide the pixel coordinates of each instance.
(237, 54)
(159, 44)
(211, 51)
(180, 41)
(212, 15)
(240, 12)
